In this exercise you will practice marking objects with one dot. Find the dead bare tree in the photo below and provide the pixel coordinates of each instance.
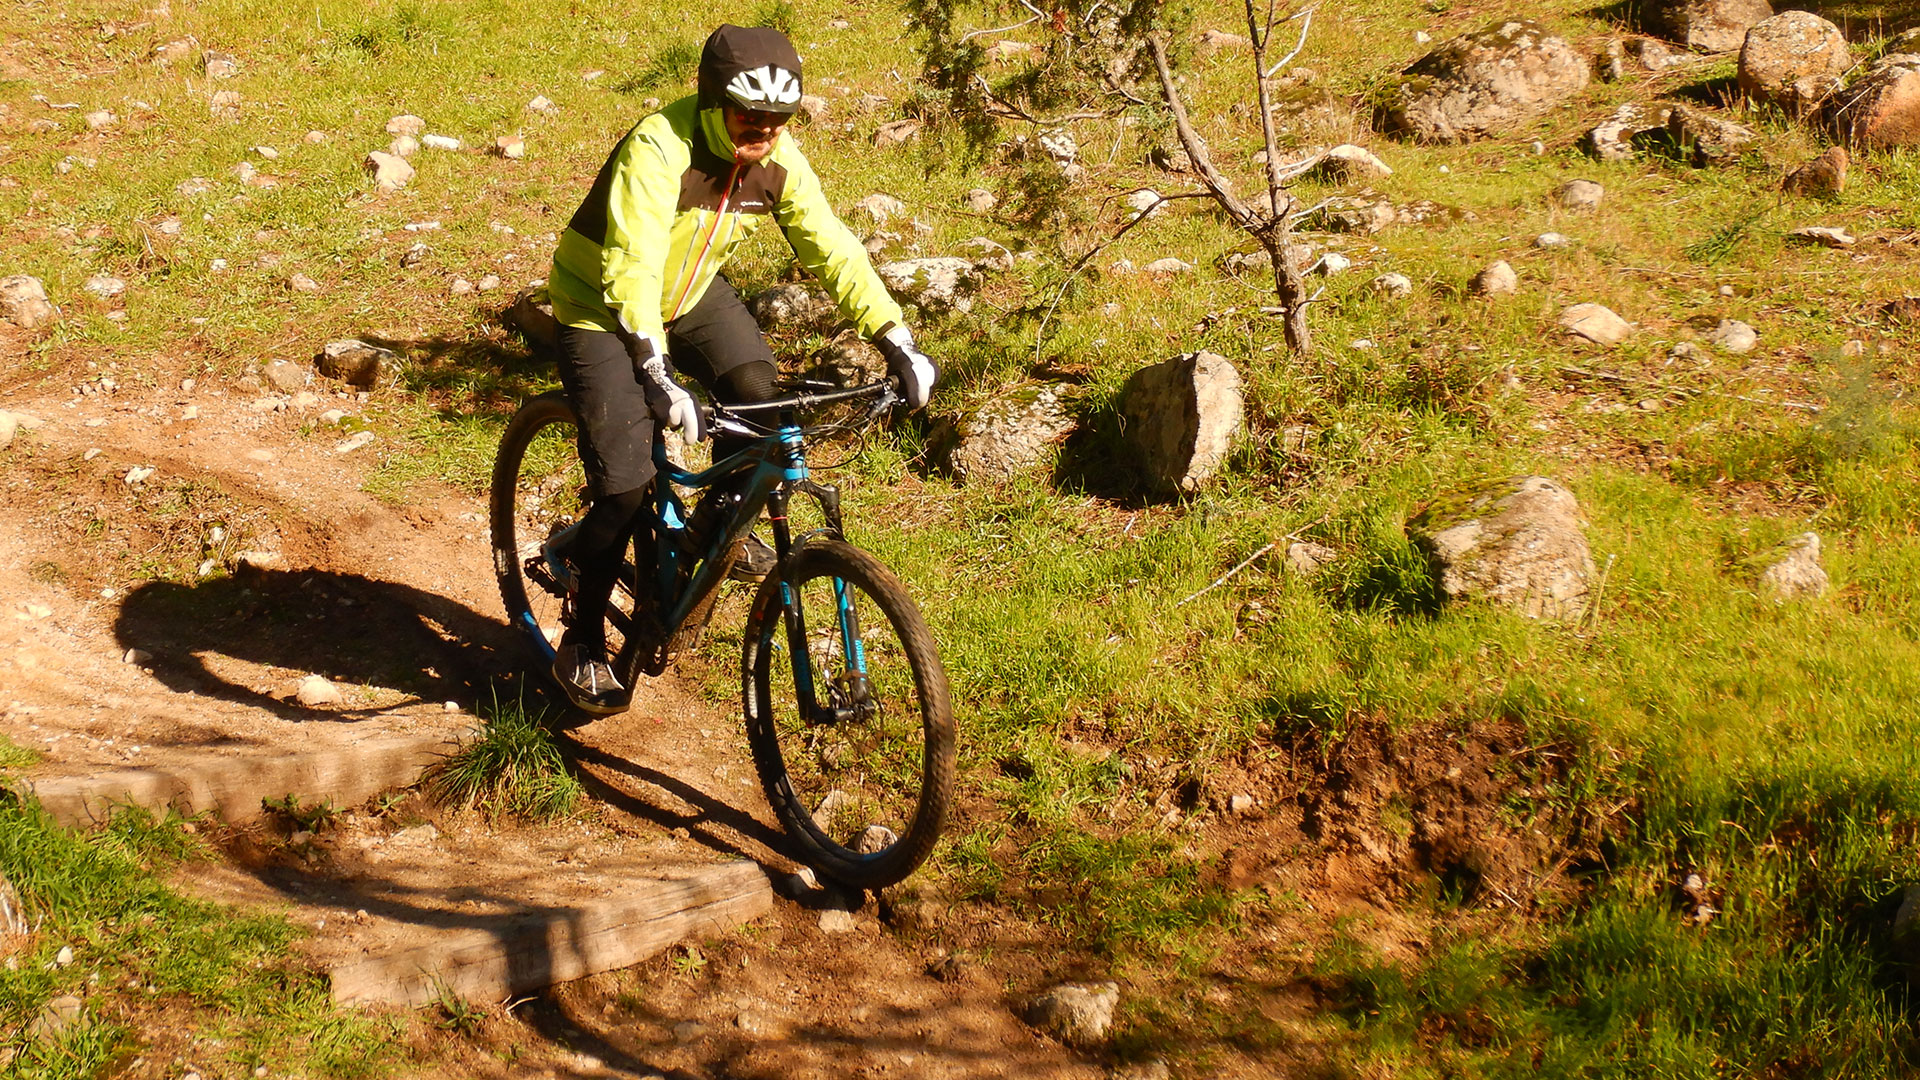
(1272, 226)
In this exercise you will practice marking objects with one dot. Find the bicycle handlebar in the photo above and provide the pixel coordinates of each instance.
(884, 392)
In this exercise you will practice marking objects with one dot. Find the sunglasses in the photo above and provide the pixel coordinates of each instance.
(756, 118)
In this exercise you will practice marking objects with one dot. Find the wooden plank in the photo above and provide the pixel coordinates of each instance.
(530, 952)
(232, 786)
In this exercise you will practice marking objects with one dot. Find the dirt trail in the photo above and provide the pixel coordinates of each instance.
(104, 667)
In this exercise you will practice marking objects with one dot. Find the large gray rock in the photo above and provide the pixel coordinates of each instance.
(791, 304)
(390, 171)
(1797, 572)
(23, 301)
(356, 362)
(1355, 214)
(1793, 60)
(1182, 417)
(1597, 323)
(1705, 139)
(848, 360)
(1617, 138)
(1516, 542)
(1487, 83)
(944, 283)
(1881, 110)
(1076, 1013)
(1005, 437)
(1579, 195)
(1708, 25)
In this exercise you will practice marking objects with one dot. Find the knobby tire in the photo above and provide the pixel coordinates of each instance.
(920, 723)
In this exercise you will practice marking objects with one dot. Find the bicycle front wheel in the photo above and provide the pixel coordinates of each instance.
(539, 490)
(848, 714)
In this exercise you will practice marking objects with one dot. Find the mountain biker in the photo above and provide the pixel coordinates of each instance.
(637, 289)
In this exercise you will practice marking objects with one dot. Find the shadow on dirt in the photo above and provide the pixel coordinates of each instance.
(670, 803)
(354, 630)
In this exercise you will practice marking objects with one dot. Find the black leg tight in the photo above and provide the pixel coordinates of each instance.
(597, 553)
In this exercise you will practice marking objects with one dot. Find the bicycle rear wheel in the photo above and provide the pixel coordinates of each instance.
(848, 714)
(540, 489)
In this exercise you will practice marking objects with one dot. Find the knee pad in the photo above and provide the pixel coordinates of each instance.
(750, 382)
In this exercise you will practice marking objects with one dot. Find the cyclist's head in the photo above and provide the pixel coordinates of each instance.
(755, 69)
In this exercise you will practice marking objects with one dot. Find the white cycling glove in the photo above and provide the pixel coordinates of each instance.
(668, 400)
(906, 362)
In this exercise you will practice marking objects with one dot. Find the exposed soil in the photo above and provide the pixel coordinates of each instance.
(397, 607)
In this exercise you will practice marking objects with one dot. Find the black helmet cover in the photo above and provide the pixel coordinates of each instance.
(753, 67)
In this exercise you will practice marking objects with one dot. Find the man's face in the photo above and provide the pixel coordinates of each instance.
(752, 132)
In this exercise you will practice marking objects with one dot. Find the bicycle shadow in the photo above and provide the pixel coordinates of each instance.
(211, 639)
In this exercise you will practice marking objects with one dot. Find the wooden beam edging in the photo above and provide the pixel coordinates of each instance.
(529, 952)
(232, 786)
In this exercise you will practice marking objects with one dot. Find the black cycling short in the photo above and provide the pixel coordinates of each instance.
(707, 344)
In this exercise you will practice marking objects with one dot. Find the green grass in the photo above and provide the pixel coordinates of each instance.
(510, 767)
(149, 963)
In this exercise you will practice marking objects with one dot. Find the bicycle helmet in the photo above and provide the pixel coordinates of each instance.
(755, 68)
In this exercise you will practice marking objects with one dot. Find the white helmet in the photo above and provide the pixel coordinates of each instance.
(766, 88)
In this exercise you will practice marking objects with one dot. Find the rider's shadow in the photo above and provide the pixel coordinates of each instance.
(213, 639)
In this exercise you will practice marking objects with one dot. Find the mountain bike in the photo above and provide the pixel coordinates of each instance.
(846, 703)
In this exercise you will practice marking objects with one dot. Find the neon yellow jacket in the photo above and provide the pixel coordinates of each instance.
(667, 212)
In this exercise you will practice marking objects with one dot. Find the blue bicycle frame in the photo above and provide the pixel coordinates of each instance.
(683, 579)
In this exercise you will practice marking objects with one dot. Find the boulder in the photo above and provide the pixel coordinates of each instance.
(1496, 280)
(531, 313)
(1516, 542)
(1487, 83)
(1881, 110)
(943, 283)
(1796, 572)
(1822, 178)
(881, 208)
(1793, 60)
(1182, 416)
(896, 132)
(1579, 195)
(1704, 139)
(1734, 336)
(988, 255)
(790, 304)
(1075, 1013)
(390, 172)
(1613, 140)
(1596, 323)
(23, 302)
(848, 360)
(1825, 235)
(356, 362)
(1349, 162)
(1351, 215)
(1004, 437)
(284, 377)
(1391, 286)
(406, 124)
(1707, 25)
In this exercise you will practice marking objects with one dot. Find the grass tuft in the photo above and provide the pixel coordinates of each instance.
(511, 767)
